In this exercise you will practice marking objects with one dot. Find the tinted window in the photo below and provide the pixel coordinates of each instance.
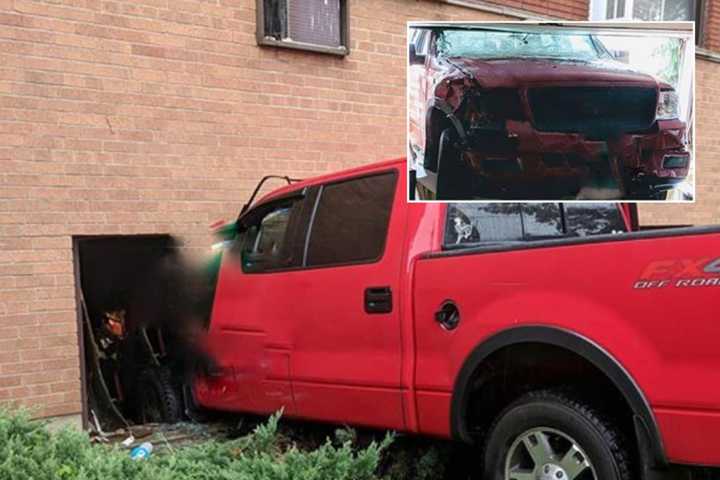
(478, 222)
(272, 237)
(593, 219)
(542, 220)
(351, 221)
(498, 222)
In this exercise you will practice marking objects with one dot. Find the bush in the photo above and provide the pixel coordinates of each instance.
(29, 451)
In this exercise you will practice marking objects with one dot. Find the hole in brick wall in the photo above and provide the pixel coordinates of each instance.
(141, 310)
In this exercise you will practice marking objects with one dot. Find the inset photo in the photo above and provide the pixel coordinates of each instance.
(551, 111)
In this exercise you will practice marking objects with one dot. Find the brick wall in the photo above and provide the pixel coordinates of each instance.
(158, 116)
(566, 9)
(711, 32)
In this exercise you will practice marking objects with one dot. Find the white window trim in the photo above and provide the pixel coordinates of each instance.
(598, 10)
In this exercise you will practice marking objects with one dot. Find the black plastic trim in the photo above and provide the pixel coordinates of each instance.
(584, 347)
(568, 241)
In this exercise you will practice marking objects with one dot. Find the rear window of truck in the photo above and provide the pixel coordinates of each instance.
(474, 224)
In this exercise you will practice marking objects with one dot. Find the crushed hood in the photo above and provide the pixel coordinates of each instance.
(518, 72)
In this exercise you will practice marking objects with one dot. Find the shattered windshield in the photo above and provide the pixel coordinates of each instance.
(495, 44)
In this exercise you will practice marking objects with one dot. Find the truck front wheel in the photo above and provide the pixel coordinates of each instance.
(548, 435)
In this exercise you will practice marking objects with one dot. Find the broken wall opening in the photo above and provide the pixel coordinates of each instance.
(127, 297)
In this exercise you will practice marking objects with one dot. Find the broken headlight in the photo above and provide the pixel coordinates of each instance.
(668, 105)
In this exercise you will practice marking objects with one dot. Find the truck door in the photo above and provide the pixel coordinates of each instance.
(346, 348)
(254, 305)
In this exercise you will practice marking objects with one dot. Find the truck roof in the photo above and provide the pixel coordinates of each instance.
(370, 167)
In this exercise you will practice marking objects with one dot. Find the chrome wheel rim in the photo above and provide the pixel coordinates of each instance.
(547, 454)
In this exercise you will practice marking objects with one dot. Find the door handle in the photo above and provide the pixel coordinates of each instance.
(378, 300)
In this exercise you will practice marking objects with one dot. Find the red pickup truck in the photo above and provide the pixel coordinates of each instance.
(537, 112)
(562, 342)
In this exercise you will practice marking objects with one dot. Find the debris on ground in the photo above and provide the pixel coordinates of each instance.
(166, 436)
(142, 451)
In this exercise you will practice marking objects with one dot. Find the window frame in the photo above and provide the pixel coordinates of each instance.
(267, 41)
(313, 194)
(525, 241)
(301, 195)
(598, 12)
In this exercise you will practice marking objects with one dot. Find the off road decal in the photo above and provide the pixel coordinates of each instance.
(680, 273)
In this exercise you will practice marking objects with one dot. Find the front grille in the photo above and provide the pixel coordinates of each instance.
(597, 111)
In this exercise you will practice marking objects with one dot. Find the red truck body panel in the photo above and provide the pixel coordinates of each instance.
(300, 340)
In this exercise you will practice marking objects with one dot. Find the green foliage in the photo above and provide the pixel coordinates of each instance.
(29, 452)
(418, 460)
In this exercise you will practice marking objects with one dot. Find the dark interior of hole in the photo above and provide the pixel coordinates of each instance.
(143, 277)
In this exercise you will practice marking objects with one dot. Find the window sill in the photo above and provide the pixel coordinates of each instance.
(706, 54)
(308, 47)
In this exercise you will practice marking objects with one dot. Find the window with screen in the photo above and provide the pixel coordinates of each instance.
(351, 221)
(304, 24)
(471, 224)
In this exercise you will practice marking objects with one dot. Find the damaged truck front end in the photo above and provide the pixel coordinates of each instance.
(513, 127)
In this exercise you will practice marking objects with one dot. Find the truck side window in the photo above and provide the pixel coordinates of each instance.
(351, 221)
(482, 222)
(542, 220)
(501, 222)
(593, 219)
(268, 241)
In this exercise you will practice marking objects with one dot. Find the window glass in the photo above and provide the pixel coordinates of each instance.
(678, 10)
(476, 223)
(542, 220)
(275, 18)
(496, 44)
(272, 239)
(482, 222)
(666, 10)
(351, 221)
(311, 22)
(593, 219)
(620, 12)
(315, 22)
(610, 9)
(421, 45)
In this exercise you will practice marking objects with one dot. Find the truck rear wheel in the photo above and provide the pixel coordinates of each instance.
(548, 435)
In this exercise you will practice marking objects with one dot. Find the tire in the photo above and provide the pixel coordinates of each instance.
(617, 172)
(563, 424)
(160, 401)
(454, 179)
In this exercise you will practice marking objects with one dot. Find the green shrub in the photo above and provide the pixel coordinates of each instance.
(29, 452)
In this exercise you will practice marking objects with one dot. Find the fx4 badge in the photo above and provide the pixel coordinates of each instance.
(680, 273)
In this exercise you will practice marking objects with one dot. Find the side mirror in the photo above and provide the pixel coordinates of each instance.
(413, 56)
(253, 262)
